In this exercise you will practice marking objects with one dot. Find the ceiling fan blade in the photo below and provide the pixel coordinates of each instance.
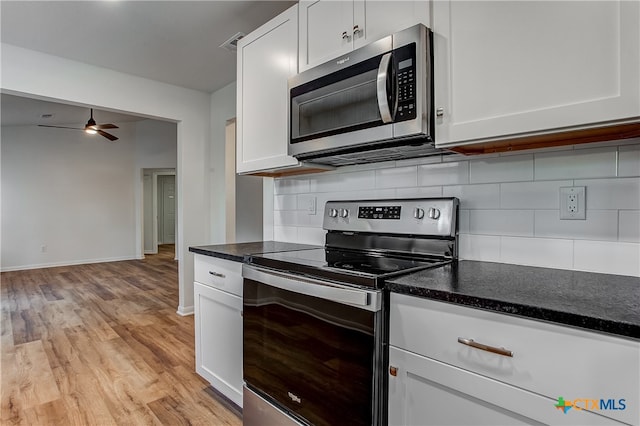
(107, 135)
(104, 126)
(60, 127)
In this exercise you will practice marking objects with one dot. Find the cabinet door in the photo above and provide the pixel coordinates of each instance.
(377, 19)
(266, 59)
(218, 323)
(528, 67)
(428, 392)
(326, 30)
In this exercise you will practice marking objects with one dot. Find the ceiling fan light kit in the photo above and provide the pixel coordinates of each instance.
(91, 128)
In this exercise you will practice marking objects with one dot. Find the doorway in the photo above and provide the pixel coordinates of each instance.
(159, 208)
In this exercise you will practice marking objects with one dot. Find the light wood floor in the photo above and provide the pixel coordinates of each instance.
(101, 344)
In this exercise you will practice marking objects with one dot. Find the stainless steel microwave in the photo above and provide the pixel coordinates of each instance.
(373, 104)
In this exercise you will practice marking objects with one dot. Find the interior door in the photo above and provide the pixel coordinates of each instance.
(166, 209)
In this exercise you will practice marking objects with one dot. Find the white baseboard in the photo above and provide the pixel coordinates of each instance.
(185, 311)
(67, 263)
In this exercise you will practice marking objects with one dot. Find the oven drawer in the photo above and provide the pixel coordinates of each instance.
(548, 359)
(219, 273)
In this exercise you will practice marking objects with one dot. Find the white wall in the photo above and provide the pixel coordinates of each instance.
(76, 194)
(68, 192)
(30, 73)
(509, 203)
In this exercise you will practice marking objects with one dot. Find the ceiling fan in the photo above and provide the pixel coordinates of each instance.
(91, 127)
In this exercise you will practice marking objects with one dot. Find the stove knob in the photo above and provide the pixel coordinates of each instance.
(418, 213)
(434, 213)
(333, 213)
(344, 213)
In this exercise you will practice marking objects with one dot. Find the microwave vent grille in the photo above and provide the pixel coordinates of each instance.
(378, 155)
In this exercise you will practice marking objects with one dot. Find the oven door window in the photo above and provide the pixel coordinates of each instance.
(314, 357)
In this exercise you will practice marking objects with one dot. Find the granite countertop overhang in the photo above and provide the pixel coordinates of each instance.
(593, 301)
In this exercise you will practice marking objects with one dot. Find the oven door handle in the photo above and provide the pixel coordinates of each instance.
(316, 288)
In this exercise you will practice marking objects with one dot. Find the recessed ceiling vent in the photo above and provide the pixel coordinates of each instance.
(232, 44)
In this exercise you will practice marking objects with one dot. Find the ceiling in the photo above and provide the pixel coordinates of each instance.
(175, 42)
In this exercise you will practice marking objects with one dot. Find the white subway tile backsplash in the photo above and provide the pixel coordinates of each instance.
(547, 252)
(607, 257)
(475, 196)
(428, 191)
(576, 164)
(463, 221)
(599, 225)
(285, 218)
(501, 222)
(456, 173)
(479, 247)
(336, 182)
(285, 202)
(629, 160)
(629, 226)
(307, 235)
(532, 195)
(605, 194)
(303, 201)
(508, 203)
(287, 234)
(501, 169)
(291, 186)
(399, 177)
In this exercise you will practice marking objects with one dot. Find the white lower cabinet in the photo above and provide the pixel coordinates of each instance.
(218, 326)
(435, 380)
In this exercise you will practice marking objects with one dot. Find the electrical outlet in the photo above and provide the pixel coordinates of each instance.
(573, 203)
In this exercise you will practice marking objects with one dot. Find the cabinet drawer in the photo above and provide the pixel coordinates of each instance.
(219, 273)
(548, 359)
(431, 393)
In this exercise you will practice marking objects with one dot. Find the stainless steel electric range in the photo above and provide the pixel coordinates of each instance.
(315, 322)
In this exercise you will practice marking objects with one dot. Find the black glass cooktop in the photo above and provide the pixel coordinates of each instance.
(345, 266)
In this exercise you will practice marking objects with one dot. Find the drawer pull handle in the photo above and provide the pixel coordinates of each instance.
(217, 274)
(493, 349)
(393, 370)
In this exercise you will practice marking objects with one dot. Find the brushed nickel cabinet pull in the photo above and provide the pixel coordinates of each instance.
(493, 349)
(217, 274)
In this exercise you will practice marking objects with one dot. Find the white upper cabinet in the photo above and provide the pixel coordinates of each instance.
(512, 68)
(266, 59)
(329, 28)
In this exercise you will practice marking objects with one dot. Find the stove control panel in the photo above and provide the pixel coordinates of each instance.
(418, 216)
(379, 212)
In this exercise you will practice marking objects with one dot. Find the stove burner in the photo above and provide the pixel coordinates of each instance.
(357, 262)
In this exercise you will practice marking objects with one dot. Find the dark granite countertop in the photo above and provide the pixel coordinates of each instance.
(597, 302)
(238, 251)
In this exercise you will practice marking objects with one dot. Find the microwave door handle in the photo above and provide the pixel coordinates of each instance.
(381, 81)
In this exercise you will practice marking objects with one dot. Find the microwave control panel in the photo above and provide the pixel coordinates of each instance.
(406, 75)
